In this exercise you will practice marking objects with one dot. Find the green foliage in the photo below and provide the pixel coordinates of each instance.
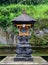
(28, 2)
(38, 40)
(40, 13)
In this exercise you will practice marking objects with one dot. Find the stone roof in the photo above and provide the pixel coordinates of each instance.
(23, 18)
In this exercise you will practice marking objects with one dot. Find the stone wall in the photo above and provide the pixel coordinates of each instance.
(7, 38)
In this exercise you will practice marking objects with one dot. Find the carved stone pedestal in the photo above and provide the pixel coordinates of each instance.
(23, 50)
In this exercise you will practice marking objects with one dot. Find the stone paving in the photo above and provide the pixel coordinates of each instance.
(9, 60)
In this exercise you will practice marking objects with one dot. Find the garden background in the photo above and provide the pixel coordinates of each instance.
(38, 9)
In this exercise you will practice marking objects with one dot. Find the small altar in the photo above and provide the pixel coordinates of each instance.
(23, 48)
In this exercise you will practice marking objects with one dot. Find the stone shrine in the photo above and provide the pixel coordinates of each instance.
(23, 48)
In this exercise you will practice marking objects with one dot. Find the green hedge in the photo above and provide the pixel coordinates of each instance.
(28, 2)
(39, 12)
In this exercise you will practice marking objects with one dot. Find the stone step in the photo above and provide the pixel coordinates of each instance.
(23, 59)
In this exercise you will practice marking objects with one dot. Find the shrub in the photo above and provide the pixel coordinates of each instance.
(40, 13)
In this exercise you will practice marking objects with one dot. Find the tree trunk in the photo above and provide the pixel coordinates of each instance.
(12, 36)
(14, 39)
(7, 37)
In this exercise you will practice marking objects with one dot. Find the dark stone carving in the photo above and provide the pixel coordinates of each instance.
(23, 50)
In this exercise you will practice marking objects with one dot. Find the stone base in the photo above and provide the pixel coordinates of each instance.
(9, 60)
(23, 59)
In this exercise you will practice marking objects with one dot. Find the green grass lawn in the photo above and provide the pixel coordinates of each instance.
(40, 54)
(34, 54)
(2, 45)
